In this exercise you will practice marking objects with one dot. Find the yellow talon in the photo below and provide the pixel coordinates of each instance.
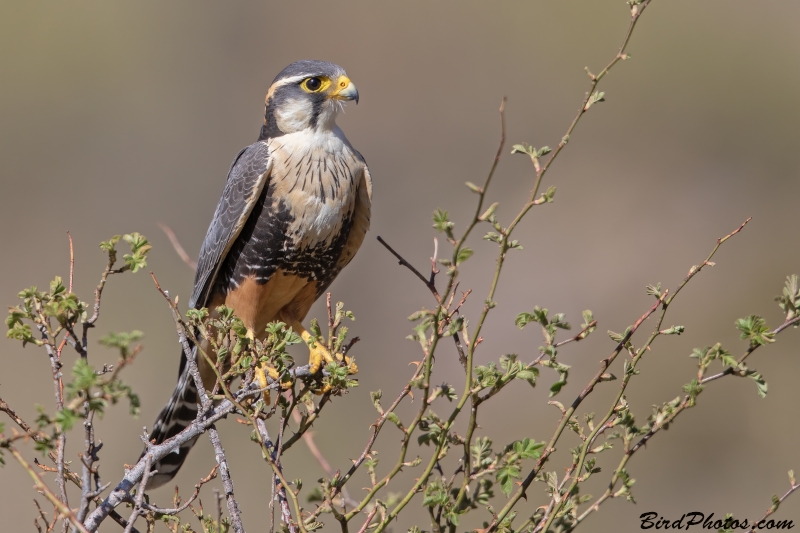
(262, 371)
(351, 364)
(261, 377)
(316, 354)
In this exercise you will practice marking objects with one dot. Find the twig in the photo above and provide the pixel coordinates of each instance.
(218, 501)
(191, 361)
(185, 505)
(71, 275)
(58, 389)
(376, 429)
(401, 261)
(87, 459)
(71, 262)
(159, 451)
(44, 489)
(38, 436)
(774, 507)
(137, 504)
(227, 484)
(434, 270)
(50, 525)
(279, 486)
(686, 403)
(370, 516)
(308, 439)
(98, 293)
(431, 285)
(176, 244)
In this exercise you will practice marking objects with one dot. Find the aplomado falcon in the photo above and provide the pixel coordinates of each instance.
(294, 212)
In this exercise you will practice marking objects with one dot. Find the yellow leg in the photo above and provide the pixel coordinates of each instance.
(320, 353)
(262, 371)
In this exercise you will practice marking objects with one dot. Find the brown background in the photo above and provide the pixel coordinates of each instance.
(118, 116)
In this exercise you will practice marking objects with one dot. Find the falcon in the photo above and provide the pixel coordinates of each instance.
(293, 213)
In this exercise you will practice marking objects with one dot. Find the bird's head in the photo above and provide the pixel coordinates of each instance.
(306, 95)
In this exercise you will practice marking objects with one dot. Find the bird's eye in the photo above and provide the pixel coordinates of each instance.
(313, 84)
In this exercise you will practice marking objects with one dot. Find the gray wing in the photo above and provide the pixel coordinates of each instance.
(246, 180)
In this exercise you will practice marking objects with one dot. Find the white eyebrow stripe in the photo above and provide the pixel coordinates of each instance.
(280, 83)
(287, 81)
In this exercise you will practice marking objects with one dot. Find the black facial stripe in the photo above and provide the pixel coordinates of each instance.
(318, 101)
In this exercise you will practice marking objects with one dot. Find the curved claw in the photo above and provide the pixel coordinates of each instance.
(316, 356)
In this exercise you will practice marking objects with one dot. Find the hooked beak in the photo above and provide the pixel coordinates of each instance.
(344, 90)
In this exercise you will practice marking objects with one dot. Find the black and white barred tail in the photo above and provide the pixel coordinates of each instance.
(179, 413)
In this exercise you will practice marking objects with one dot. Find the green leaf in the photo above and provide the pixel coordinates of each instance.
(489, 212)
(755, 329)
(789, 301)
(391, 417)
(376, 400)
(548, 195)
(492, 236)
(523, 319)
(474, 188)
(464, 254)
(66, 419)
(137, 259)
(441, 221)
(57, 287)
(121, 341)
(529, 375)
(84, 378)
(435, 494)
(481, 452)
(760, 383)
(654, 290)
(593, 99)
(588, 318)
(505, 476)
(522, 149)
(674, 330)
(693, 388)
(528, 449)
(109, 245)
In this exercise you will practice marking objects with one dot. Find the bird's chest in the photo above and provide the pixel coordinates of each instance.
(314, 185)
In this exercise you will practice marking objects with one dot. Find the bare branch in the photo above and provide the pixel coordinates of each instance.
(44, 489)
(227, 484)
(185, 505)
(176, 245)
(137, 504)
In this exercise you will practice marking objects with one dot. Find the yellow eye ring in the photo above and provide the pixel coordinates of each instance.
(315, 84)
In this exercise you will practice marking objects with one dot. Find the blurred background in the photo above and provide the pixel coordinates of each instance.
(118, 116)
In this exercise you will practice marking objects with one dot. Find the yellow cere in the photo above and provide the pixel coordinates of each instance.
(341, 84)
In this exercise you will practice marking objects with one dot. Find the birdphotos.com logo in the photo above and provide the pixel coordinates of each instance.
(700, 521)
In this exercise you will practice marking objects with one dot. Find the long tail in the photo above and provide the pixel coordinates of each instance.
(179, 412)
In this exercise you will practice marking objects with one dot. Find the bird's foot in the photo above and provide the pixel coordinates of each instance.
(319, 353)
(352, 368)
(262, 371)
(316, 355)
